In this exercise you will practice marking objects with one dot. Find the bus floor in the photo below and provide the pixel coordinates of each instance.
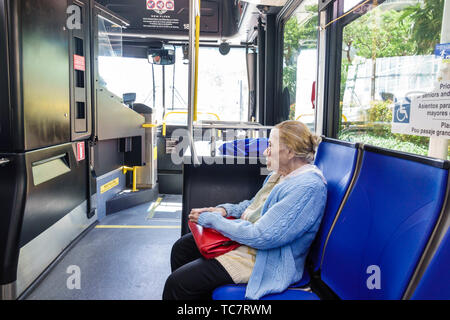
(126, 256)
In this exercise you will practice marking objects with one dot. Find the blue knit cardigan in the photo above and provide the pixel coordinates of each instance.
(289, 221)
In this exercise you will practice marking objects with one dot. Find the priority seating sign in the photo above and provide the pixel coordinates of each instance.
(427, 114)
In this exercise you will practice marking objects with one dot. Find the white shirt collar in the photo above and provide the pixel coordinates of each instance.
(303, 169)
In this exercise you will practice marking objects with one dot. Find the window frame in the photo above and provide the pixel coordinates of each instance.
(283, 16)
(334, 37)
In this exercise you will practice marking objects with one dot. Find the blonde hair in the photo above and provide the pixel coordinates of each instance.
(298, 138)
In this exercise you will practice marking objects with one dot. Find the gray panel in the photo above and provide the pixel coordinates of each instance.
(36, 255)
(115, 120)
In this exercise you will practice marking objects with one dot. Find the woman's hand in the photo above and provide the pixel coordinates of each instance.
(195, 213)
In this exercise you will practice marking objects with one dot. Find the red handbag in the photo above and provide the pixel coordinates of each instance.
(210, 242)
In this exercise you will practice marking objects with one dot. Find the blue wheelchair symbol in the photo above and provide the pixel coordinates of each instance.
(402, 111)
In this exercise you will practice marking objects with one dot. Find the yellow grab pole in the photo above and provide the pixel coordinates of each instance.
(197, 45)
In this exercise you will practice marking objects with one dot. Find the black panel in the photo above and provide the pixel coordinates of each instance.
(51, 200)
(38, 110)
(134, 157)
(45, 73)
(13, 188)
(150, 21)
(165, 159)
(261, 64)
(269, 87)
(107, 156)
(5, 134)
(80, 85)
(219, 18)
(210, 185)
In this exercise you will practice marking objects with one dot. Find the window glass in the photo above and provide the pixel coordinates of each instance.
(109, 47)
(349, 4)
(300, 63)
(222, 92)
(387, 59)
(223, 85)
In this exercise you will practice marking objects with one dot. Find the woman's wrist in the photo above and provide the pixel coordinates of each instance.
(223, 211)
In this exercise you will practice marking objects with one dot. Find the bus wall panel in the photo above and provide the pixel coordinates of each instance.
(51, 200)
(45, 72)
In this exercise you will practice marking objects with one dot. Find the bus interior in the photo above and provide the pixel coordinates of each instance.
(119, 117)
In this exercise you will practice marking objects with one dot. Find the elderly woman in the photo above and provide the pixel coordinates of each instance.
(275, 228)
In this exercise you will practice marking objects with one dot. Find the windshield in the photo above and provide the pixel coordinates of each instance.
(222, 91)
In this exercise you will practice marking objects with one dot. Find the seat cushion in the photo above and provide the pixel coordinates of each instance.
(237, 292)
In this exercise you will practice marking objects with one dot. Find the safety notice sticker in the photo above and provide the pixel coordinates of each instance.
(425, 115)
(161, 15)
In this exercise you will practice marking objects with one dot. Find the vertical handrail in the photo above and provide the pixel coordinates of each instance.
(197, 45)
(193, 5)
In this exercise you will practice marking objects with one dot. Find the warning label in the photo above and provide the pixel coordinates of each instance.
(163, 18)
(160, 6)
(80, 151)
(425, 115)
(161, 22)
(79, 63)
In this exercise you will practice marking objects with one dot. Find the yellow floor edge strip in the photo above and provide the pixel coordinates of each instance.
(135, 227)
(153, 209)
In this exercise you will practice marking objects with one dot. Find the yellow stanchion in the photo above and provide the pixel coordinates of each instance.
(134, 169)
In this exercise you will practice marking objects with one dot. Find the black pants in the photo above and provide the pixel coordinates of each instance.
(193, 277)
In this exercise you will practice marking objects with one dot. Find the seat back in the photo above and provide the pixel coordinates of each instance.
(337, 161)
(435, 282)
(384, 225)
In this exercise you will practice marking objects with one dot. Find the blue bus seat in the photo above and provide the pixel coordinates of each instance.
(337, 160)
(384, 225)
(435, 282)
(237, 292)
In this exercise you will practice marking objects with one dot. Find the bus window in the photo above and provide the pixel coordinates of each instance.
(223, 85)
(109, 50)
(300, 61)
(387, 58)
(222, 91)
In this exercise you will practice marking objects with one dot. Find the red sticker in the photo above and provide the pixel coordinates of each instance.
(80, 151)
(79, 63)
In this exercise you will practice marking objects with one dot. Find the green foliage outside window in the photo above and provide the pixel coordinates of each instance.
(412, 30)
(297, 37)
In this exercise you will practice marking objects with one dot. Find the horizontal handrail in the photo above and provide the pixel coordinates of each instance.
(182, 112)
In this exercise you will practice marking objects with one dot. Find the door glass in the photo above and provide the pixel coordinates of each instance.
(300, 63)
